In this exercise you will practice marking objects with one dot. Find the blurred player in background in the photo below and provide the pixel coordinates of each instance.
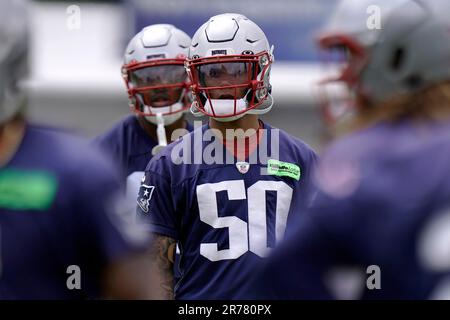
(383, 192)
(60, 237)
(225, 215)
(157, 87)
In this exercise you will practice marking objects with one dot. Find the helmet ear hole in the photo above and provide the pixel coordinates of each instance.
(398, 59)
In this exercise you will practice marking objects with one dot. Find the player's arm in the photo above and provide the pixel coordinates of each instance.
(156, 210)
(162, 250)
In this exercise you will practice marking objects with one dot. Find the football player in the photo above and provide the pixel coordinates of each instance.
(227, 191)
(60, 236)
(157, 87)
(382, 210)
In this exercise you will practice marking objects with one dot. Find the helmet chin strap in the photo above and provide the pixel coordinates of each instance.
(223, 106)
(168, 119)
(161, 121)
(161, 133)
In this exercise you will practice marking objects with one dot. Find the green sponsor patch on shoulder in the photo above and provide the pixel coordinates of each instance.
(27, 190)
(286, 169)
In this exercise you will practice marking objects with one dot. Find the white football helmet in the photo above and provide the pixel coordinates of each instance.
(13, 57)
(154, 73)
(408, 50)
(229, 67)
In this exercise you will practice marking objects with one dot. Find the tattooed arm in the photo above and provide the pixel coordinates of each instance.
(162, 256)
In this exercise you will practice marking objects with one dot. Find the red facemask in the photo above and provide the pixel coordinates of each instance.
(229, 77)
(156, 83)
(338, 93)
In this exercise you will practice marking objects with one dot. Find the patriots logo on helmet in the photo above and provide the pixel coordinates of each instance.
(144, 197)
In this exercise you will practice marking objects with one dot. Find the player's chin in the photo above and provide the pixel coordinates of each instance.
(161, 104)
(224, 95)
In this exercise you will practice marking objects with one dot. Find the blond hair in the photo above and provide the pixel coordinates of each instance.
(429, 104)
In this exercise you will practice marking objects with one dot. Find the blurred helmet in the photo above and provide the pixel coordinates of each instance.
(229, 67)
(13, 57)
(406, 50)
(154, 72)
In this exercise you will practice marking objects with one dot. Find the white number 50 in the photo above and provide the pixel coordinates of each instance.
(241, 239)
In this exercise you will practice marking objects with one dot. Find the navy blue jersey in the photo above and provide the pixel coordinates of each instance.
(57, 201)
(382, 207)
(130, 148)
(225, 214)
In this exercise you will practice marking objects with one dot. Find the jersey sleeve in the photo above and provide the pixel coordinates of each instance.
(310, 163)
(155, 205)
(106, 143)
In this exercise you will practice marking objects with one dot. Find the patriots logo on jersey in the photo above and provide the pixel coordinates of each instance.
(242, 167)
(145, 194)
